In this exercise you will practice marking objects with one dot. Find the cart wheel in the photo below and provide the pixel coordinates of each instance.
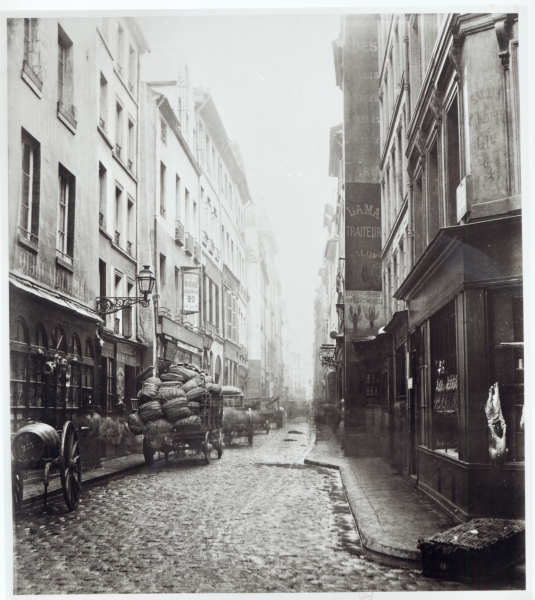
(207, 449)
(147, 452)
(17, 488)
(70, 466)
(220, 446)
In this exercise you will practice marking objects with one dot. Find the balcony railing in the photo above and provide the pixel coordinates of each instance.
(129, 248)
(211, 246)
(130, 165)
(197, 253)
(179, 233)
(189, 244)
(102, 123)
(117, 238)
(118, 150)
(204, 237)
(101, 219)
(217, 254)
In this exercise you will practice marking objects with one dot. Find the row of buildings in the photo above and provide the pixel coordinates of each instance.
(117, 163)
(420, 307)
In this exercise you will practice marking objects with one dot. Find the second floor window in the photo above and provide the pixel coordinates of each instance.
(132, 70)
(120, 44)
(103, 102)
(66, 204)
(30, 188)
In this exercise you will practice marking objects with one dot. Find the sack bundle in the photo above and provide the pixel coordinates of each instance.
(150, 386)
(151, 411)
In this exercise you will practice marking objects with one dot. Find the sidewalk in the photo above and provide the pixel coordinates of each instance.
(391, 515)
(34, 491)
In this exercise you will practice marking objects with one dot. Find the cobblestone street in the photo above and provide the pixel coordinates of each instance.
(257, 520)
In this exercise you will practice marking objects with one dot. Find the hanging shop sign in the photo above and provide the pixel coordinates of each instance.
(191, 288)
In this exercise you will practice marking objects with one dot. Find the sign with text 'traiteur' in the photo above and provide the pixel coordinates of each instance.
(191, 293)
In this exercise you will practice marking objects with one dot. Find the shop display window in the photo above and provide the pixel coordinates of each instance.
(444, 388)
(506, 339)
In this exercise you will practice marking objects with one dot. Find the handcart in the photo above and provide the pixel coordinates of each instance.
(237, 419)
(206, 438)
(38, 445)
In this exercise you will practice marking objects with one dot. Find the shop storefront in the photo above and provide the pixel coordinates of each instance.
(53, 358)
(465, 320)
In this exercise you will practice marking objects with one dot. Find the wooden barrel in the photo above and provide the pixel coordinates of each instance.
(35, 442)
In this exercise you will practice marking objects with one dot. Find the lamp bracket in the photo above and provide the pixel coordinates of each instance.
(106, 306)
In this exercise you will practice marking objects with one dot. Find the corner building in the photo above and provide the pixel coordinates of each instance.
(451, 258)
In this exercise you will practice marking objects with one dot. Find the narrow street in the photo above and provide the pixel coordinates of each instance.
(258, 520)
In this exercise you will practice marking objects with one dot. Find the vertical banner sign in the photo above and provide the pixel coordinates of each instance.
(190, 296)
(363, 281)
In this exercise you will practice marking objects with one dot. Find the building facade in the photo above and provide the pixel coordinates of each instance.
(446, 94)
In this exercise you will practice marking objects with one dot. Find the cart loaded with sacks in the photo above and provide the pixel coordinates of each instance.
(237, 417)
(181, 412)
(41, 446)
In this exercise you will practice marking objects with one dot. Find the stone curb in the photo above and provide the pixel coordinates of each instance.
(95, 479)
(368, 542)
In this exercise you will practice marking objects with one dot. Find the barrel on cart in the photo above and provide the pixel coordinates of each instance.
(38, 445)
(201, 438)
(237, 418)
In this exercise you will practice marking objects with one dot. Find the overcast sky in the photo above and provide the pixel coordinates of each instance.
(272, 79)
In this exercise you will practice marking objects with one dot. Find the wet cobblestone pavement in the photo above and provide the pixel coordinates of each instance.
(257, 520)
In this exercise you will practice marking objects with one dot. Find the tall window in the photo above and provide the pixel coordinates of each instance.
(163, 131)
(177, 198)
(207, 153)
(418, 219)
(130, 227)
(177, 290)
(118, 128)
(103, 122)
(118, 214)
(30, 42)
(444, 383)
(65, 71)
(131, 145)
(433, 194)
(162, 189)
(162, 271)
(187, 216)
(66, 204)
(88, 371)
(102, 188)
(453, 158)
(132, 69)
(120, 48)
(30, 188)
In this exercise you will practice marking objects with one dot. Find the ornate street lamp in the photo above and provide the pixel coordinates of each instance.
(145, 282)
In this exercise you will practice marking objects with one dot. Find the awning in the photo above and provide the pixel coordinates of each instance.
(55, 298)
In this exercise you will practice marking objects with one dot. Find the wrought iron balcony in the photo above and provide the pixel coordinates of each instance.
(118, 150)
(130, 165)
(211, 246)
(179, 233)
(117, 238)
(101, 219)
(204, 237)
(189, 244)
(197, 253)
(129, 248)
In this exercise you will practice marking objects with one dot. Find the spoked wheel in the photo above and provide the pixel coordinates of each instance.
(70, 466)
(147, 452)
(17, 488)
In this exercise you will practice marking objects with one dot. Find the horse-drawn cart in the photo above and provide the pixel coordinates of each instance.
(38, 445)
(203, 437)
(237, 419)
(267, 411)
